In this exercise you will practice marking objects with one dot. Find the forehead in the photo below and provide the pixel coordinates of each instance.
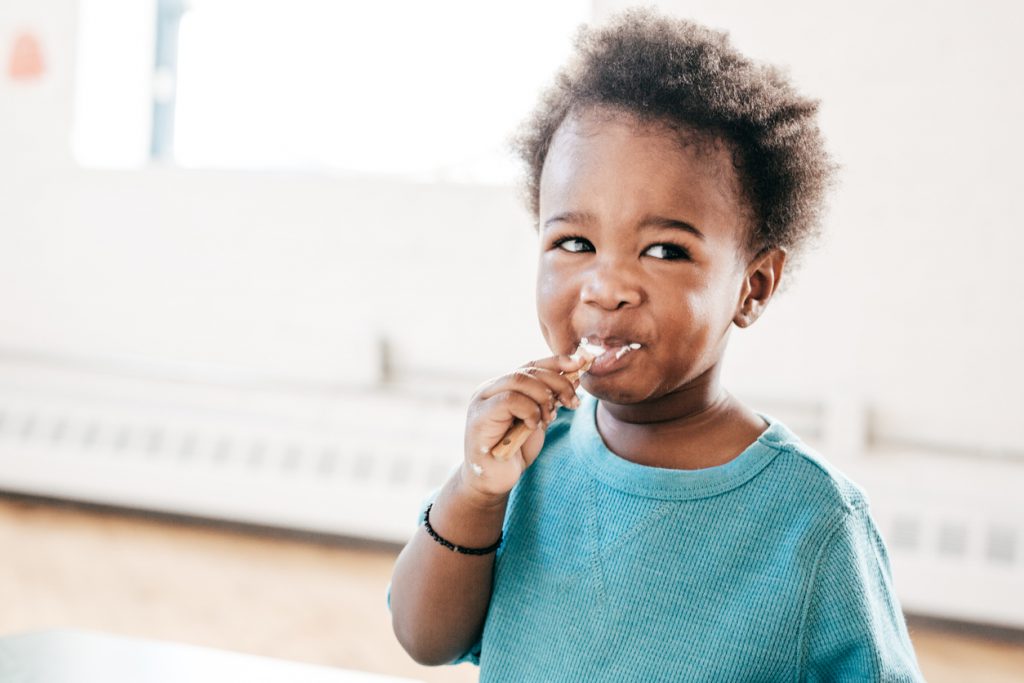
(613, 165)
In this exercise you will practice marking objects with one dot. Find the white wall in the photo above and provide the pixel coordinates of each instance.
(286, 275)
(912, 300)
(910, 303)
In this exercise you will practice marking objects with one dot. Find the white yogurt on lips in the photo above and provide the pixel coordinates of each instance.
(626, 349)
(596, 350)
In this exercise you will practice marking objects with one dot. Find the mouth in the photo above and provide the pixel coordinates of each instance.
(609, 353)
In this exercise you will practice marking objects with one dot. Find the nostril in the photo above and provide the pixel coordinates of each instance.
(612, 299)
(612, 288)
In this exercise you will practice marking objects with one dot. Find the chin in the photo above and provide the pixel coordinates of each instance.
(609, 392)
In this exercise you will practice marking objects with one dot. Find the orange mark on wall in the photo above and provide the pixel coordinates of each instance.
(26, 62)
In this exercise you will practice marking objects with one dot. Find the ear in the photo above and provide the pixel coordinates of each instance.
(760, 282)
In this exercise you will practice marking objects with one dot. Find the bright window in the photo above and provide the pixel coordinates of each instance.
(431, 90)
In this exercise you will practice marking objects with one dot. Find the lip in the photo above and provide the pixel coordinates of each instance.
(612, 342)
(607, 362)
(611, 360)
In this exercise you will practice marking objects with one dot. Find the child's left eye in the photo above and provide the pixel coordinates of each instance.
(669, 252)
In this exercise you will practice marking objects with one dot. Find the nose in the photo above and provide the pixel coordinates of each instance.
(611, 285)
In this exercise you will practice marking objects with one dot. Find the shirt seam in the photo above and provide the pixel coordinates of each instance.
(844, 516)
(711, 491)
(805, 607)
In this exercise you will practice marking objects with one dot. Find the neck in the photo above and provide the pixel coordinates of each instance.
(698, 425)
(693, 402)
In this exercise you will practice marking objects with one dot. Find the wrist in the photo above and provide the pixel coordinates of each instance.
(454, 547)
(465, 488)
(466, 517)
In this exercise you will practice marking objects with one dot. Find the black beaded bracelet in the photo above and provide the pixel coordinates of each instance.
(457, 548)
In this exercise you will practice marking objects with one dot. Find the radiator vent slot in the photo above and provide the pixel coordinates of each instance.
(1001, 545)
(952, 539)
(905, 534)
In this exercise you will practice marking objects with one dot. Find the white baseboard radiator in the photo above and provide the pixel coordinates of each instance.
(357, 464)
(353, 464)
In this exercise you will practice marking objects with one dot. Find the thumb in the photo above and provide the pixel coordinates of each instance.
(532, 446)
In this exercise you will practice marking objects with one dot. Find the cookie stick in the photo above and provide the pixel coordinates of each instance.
(519, 432)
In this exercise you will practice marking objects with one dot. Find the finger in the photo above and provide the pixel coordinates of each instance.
(559, 363)
(503, 409)
(532, 447)
(558, 384)
(526, 381)
(547, 373)
(554, 363)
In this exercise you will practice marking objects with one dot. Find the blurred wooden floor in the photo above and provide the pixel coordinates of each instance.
(296, 599)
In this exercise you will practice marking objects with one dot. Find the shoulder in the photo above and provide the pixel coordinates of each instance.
(811, 477)
(851, 618)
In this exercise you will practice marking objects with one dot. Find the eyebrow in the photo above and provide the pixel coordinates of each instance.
(647, 222)
(675, 224)
(569, 217)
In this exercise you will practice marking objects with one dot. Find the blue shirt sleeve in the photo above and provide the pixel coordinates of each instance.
(854, 628)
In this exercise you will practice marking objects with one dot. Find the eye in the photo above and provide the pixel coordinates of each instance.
(668, 252)
(573, 244)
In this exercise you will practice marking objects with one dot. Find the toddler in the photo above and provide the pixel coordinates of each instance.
(654, 528)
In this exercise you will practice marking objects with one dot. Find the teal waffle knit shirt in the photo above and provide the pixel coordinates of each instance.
(766, 568)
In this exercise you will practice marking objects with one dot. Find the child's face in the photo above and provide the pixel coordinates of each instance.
(643, 240)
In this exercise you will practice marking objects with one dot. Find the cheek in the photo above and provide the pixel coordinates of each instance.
(706, 316)
(698, 323)
(555, 300)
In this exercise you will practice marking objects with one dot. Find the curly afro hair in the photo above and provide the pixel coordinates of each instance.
(683, 75)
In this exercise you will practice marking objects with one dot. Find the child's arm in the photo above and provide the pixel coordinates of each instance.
(439, 597)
